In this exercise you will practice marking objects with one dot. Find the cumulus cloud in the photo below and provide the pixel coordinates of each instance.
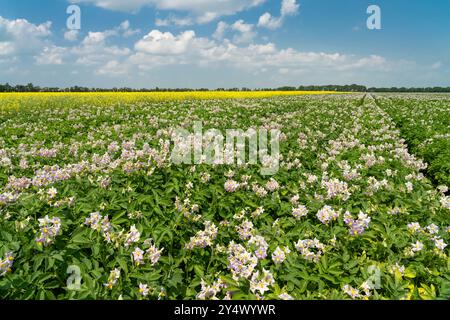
(173, 20)
(126, 29)
(220, 30)
(245, 30)
(200, 11)
(21, 27)
(22, 36)
(164, 48)
(269, 22)
(51, 56)
(112, 68)
(6, 48)
(157, 42)
(288, 8)
(71, 35)
(97, 56)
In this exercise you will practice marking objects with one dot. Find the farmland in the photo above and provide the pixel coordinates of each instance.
(93, 207)
(426, 127)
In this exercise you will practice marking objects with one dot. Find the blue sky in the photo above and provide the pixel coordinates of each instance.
(232, 43)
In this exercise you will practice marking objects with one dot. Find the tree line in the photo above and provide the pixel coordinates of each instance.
(338, 88)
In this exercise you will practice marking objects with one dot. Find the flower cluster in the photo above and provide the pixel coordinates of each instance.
(261, 246)
(6, 264)
(258, 211)
(187, 209)
(259, 191)
(231, 185)
(114, 276)
(356, 226)
(245, 229)
(336, 189)
(262, 282)
(272, 185)
(97, 222)
(414, 227)
(355, 293)
(241, 262)
(445, 202)
(138, 256)
(143, 289)
(305, 246)
(132, 236)
(352, 292)
(279, 255)
(439, 243)
(153, 253)
(327, 214)
(49, 229)
(299, 212)
(203, 238)
(209, 292)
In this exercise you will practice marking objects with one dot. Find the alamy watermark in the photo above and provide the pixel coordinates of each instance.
(374, 280)
(237, 147)
(374, 20)
(74, 279)
(74, 20)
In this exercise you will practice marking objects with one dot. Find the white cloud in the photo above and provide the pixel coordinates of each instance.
(243, 32)
(21, 36)
(220, 30)
(21, 27)
(112, 68)
(269, 22)
(159, 49)
(246, 32)
(288, 8)
(181, 55)
(172, 20)
(51, 56)
(94, 38)
(94, 50)
(157, 42)
(6, 48)
(126, 30)
(201, 11)
(71, 35)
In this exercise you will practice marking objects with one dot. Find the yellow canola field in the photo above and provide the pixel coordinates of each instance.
(14, 100)
(17, 100)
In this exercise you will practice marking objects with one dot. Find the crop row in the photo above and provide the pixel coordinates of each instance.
(424, 122)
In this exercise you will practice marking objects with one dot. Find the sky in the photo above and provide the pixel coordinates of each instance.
(224, 43)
